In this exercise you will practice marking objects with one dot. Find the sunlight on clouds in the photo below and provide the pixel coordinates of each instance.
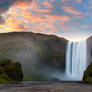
(24, 19)
(79, 1)
(70, 9)
(47, 5)
(48, 16)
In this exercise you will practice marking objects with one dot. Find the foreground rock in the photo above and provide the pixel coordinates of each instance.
(40, 55)
(10, 71)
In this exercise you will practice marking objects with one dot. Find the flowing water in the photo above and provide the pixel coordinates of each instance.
(76, 60)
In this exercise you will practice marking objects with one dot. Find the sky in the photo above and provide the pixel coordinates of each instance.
(71, 19)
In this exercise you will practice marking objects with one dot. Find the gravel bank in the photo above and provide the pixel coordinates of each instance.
(47, 87)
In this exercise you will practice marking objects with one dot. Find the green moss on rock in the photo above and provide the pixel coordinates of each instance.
(10, 71)
(88, 74)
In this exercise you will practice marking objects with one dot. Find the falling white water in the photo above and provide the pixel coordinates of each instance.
(76, 60)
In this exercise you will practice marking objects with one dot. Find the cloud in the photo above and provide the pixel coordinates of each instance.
(78, 17)
(72, 10)
(13, 25)
(90, 4)
(66, 0)
(25, 17)
(47, 4)
(43, 16)
(5, 4)
(79, 1)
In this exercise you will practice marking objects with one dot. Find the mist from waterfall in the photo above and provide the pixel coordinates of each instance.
(76, 60)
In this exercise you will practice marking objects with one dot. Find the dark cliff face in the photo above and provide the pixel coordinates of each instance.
(89, 49)
(38, 53)
(88, 74)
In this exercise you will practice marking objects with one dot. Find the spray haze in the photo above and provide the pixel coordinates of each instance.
(41, 56)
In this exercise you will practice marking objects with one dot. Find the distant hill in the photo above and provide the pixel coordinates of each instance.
(39, 54)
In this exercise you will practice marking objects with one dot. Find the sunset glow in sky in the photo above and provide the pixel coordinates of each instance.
(71, 19)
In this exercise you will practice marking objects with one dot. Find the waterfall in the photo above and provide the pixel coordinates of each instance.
(76, 60)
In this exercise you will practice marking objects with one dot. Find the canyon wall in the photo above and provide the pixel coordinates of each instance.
(40, 55)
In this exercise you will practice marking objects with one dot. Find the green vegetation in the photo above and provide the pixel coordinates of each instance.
(88, 74)
(35, 78)
(10, 71)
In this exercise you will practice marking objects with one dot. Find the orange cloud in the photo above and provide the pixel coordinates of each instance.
(34, 4)
(22, 27)
(78, 17)
(35, 7)
(71, 10)
(65, 0)
(48, 28)
(52, 0)
(21, 17)
(29, 17)
(65, 18)
(47, 4)
(26, 14)
(22, 4)
(79, 1)
(53, 18)
(14, 25)
(42, 10)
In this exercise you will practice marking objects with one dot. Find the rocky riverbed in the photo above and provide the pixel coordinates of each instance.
(46, 87)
